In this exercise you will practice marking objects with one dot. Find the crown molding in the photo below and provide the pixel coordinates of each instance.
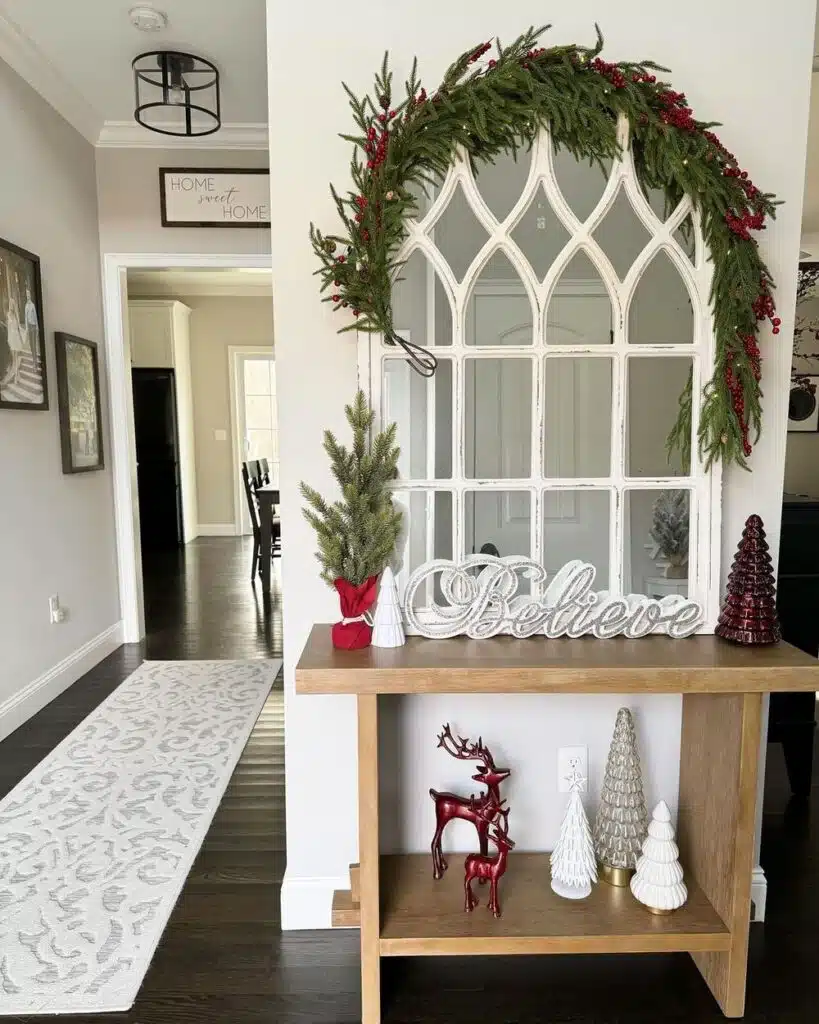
(130, 135)
(23, 55)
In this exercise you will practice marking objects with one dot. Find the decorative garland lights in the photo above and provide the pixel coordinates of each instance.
(499, 106)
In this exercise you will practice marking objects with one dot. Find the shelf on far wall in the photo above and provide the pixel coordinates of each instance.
(424, 917)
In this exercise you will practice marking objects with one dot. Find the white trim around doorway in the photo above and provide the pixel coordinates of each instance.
(123, 451)
(234, 352)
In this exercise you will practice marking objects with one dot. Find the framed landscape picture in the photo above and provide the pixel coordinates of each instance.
(78, 399)
(22, 337)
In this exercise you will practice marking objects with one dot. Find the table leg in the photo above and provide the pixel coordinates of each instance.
(718, 772)
(266, 527)
(368, 854)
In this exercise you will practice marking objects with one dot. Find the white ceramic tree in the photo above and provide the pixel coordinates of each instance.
(388, 627)
(574, 866)
(658, 881)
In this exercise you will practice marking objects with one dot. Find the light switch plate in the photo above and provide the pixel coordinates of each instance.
(220, 435)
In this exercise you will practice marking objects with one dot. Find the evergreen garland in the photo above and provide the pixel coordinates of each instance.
(499, 106)
(356, 536)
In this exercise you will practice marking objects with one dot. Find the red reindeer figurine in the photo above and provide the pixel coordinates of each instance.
(489, 869)
(480, 810)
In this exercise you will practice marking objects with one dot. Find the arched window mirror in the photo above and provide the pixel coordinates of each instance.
(568, 310)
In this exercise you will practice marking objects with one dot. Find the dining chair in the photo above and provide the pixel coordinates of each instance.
(254, 472)
(250, 484)
(253, 512)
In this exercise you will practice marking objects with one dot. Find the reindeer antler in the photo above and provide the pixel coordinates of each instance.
(463, 750)
(500, 828)
(490, 809)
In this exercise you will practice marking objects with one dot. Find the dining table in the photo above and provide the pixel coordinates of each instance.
(267, 497)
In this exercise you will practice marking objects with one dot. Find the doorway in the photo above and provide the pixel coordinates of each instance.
(216, 436)
(159, 477)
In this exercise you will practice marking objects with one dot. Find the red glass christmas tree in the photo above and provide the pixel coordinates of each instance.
(749, 613)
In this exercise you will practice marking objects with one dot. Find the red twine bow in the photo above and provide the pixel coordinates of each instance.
(354, 631)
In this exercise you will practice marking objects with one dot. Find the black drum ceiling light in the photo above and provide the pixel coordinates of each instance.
(176, 93)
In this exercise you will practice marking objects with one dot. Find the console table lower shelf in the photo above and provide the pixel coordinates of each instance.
(424, 917)
(405, 912)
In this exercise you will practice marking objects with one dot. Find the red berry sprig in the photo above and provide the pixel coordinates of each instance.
(752, 352)
(477, 54)
(742, 225)
(675, 110)
(610, 71)
(764, 307)
(737, 401)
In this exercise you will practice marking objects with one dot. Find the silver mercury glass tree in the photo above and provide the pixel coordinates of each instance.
(621, 825)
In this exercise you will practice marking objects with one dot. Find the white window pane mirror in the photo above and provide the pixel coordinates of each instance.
(568, 310)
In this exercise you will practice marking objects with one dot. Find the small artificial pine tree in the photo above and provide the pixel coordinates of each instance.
(356, 535)
(669, 528)
(749, 613)
(622, 819)
(658, 880)
(573, 864)
(388, 627)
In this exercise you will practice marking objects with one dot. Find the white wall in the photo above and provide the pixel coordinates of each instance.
(128, 185)
(708, 52)
(56, 531)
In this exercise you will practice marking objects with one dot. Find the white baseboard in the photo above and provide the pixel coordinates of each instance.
(759, 894)
(33, 698)
(216, 530)
(308, 902)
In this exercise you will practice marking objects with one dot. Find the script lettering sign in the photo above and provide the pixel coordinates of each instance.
(202, 197)
(481, 599)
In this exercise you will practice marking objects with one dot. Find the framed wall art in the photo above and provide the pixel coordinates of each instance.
(23, 383)
(78, 399)
(214, 197)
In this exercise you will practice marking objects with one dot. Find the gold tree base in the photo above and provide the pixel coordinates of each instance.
(620, 877)
(658, 912)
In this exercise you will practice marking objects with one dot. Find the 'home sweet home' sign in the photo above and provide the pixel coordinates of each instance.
(202, 197)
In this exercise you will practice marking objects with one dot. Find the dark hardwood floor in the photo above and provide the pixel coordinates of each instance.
(223, 958)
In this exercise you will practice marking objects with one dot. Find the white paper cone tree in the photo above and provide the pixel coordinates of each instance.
(574, 867)
(388, 627)
(622, 819)
(658, 881)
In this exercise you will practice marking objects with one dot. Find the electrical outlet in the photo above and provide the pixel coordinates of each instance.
(572, 762)
(55, 612)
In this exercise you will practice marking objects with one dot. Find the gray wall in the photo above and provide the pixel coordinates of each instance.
(128, 185)
(216, 324)
(56, 531)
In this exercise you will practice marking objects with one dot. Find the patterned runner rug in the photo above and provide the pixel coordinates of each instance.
(97, 841)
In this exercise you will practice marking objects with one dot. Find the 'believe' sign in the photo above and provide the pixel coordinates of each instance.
(480, 599)
(201, 197)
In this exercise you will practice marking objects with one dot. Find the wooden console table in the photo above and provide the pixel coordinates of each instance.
(404, 912)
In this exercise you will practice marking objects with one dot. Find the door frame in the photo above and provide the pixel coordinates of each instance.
(121, 411)
(235, 352)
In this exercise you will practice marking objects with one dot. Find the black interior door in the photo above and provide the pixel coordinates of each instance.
(157, 451)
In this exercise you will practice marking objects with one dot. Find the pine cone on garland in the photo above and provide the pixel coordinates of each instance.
(749, 613)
